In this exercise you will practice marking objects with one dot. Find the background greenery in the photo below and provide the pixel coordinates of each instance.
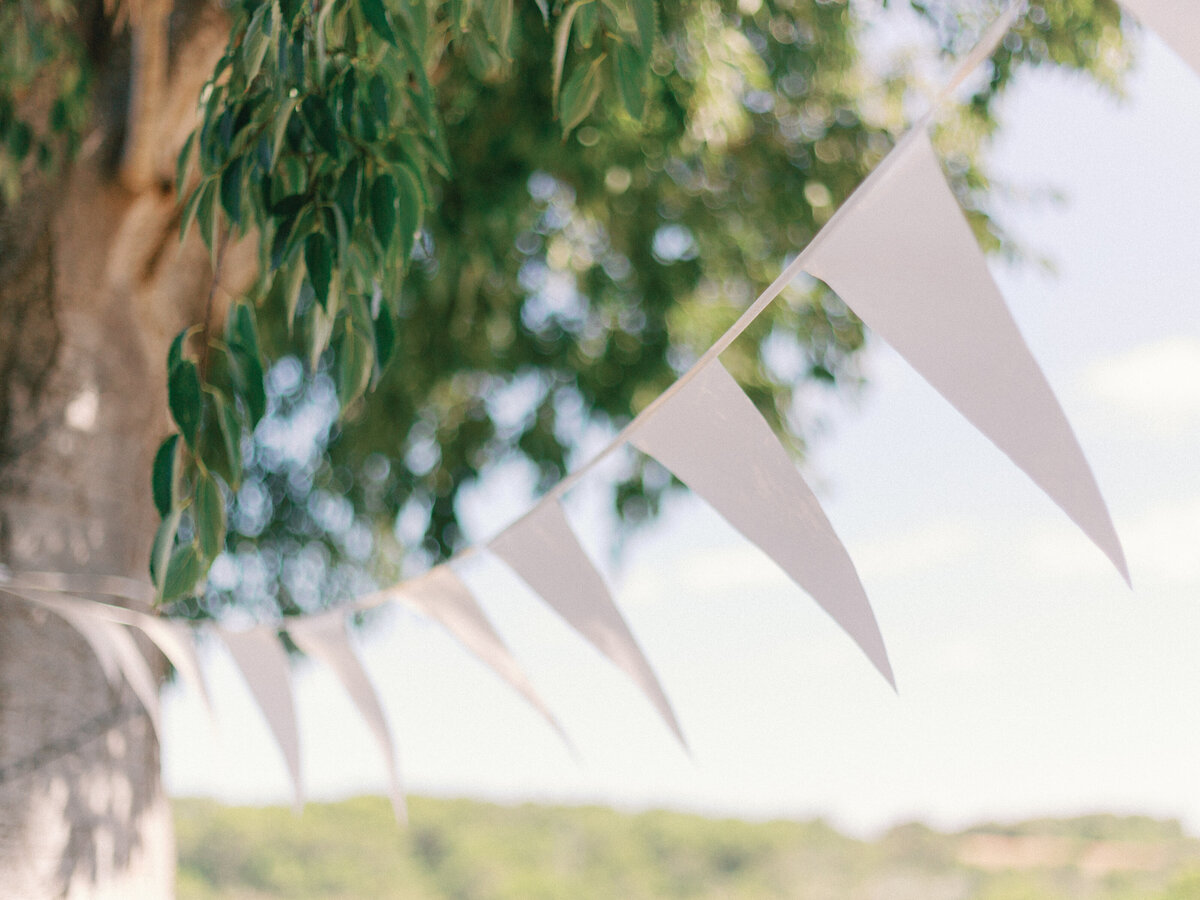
(466, 849)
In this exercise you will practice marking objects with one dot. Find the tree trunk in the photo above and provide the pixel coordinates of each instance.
(93, 286)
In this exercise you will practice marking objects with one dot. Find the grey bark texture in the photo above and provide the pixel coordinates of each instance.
(93, 285)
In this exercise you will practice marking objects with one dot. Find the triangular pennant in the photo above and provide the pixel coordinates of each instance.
(114, 647)
(902, 256)
(543, 550)
(260, 656)
(173, 638)
(325, 637)
(175, 641)
(440, 595)
(133, 666)
(709, 434)
(1177, 22)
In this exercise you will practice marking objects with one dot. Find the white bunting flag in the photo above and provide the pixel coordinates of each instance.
(901, 255)
(132, 664)
(175, 641)
(114, 647)
(710, 435)
(440, 595)
(325, 637)
(543, 550)
(1177, 22)
(264, 664)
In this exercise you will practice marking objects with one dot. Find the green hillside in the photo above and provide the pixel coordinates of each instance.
(463, 849)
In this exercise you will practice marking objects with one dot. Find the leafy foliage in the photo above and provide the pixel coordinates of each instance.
(485, 229)
(571, 259)
(42, 57)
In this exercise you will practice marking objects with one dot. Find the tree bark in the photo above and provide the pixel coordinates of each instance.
(93, 286)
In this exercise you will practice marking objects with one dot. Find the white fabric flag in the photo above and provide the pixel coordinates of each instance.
(264, 665)
(175, 641)
(440, 595)
(711, 436)
(901, 255)
(133, 666)
(325, 637)
(1177, 22)
(543, 550)
(113, 645)
(173, 638)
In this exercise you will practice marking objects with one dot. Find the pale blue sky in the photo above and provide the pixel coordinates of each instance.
(1032, 681)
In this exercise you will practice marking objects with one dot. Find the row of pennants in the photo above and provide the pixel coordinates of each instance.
(901, 255)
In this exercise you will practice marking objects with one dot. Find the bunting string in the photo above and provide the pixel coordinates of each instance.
(899, 253)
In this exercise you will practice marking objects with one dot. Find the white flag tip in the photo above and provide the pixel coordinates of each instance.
(1117, 556)
(884, 667)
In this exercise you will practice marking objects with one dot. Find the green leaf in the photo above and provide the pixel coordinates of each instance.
(314, 111)
(192, 208)
(290, 9)
(562, 36)
(385, 338)
(630, 69)
(208, 513)
(585, 24)
(377, 18)
(160, 551)
(342, 230)
(318, 259)
(206, 214)
(225, 129)
(231, 437)
(348, 99)
(383, 208)
(410, 209)
(163, 478)
(580, 93)
(20, 139)
(377, 93)
(184, 399)
(182, 161)
(281, 123)
(460, 13)
(346, 193)
(175, 352)
(321, 329)
(282, 243)
(246, 359)
(498, 20)
(423, 100)
(58, 116)
(183, 571)
(248, 380)
(291, 296)
(256, 43)
(355, 362)
(218, 453)
(326, 10)
(243, 330)
(289, 207)
(647, 24)
(359, 310)
(231, 190)
(218, 374)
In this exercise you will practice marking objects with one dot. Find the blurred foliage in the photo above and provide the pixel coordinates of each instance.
(487, 229)
(459, 848)
(43, 67)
